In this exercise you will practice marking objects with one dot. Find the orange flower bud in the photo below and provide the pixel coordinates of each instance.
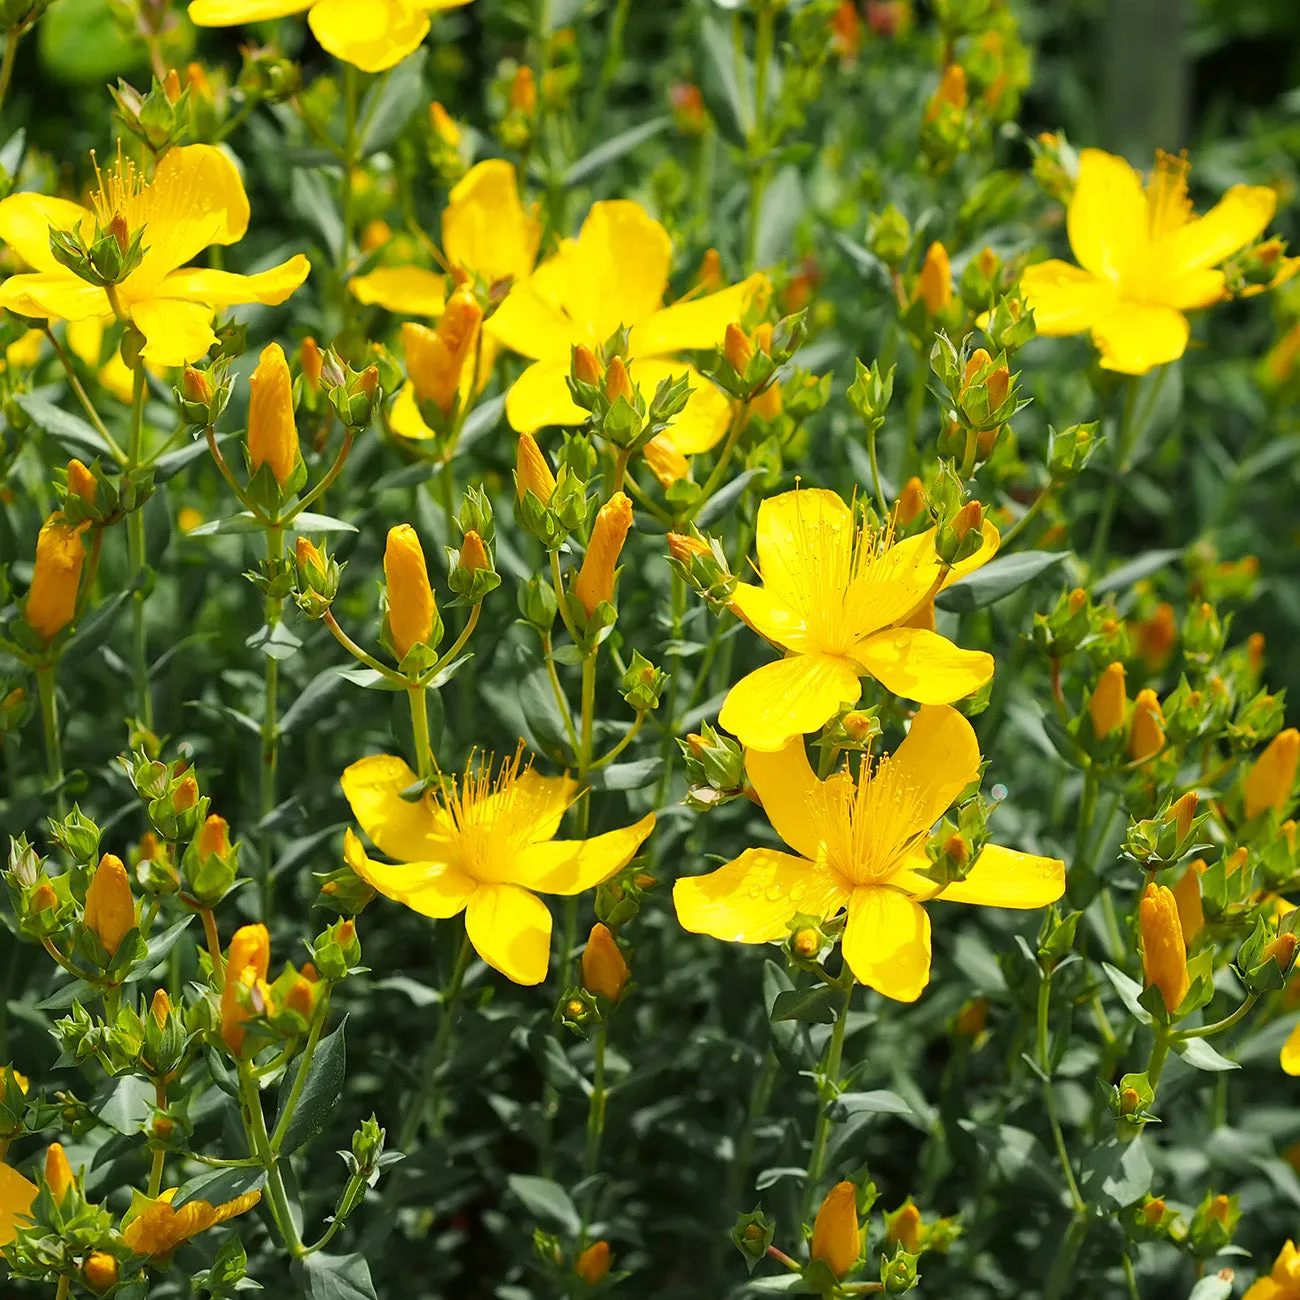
(100, 1271)
(186, 794)
(301, 997)
(1147, 736)
(683, 547)
(1271, 777)
(308, 555)
(214, 837)
(444, 126)
(246, 963)
(411, 607)
(311, 360)
(197, 80)
(592, 1265)
(969, 517)
(709, 277)
(56, 578)
(532, 473)
(978, 360)
(910, 503)
(42, 897)
(272, 433)
(1164, 953)
(952, 91)
(1108, 702)
(586, 365)
(1183, 812)
(58, 1173)
(523, 91)
(903, 1228)
(1078, 599)
(604, 970)
(346, 932)
(666, 463)
(998, 385)
(171, 86)
(617, 382)
(836, 1238)
(737, 348)
(1255, 651)
(1154, 638)
(596, 578)
(768, 404)
(936, 279)
(161, 1007)
(110, 906)
(972, 1019)
(120, 231)
(1153, 1211)
(1282, 950)
(81, 482)
(473, 554)
(806, 942)
(435, 359)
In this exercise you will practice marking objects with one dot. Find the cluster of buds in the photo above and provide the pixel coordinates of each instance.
(354, 395)
(176, 809)
(1258, 267)
(85, 495)
(1212, 1226)
(619, 411)
(715, 769)
(1170, 835)
(149, 1040)
(267, 76)
(956, 845)
(1266, 959)
(619, 899)
(1009, 324)
(946, 125)
(518, 90)
(547, 506)
(446, 145)
(159, 118)
(1069, 450)
(643, 684)
(107, 258)
(702, 565)
(746, 364)
(870, 394)
(203, 395)
(984, 396)
(318, 578)
(906, 1227)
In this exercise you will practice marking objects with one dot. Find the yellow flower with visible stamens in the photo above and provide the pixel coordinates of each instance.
(837, 598)
(373, 35)
(861, 845)
(16, 1197)
(154, 1230)
(486, 846)
(195, 199)
(1283, 1280)
(614, 276)
(1144, 259)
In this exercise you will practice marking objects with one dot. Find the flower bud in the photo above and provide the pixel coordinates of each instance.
(81, 482)
(737, 348)
(1107, 704)
(665, 462)
(1271, 777)
(52, 597)
(683, 548)
(473, 554)
(1164, 954)
(100, 1272)
(617, 382)
(532, 473)
(806, 943)
(910, 503)
(595, 583)
(604, 970)
(709, 277)
(412, 611)
(951, 92)
(272, 433)
(935, 284)
(435, 359)
(836, 1238)
(1147, 736)
(309, 557)
(110, 906)
(161, 1007)
(592, 1265)
(246, 963)
(444, 126)
(196, 387)
(186, 794)
(523, 91)
(972, 1019)
(58, 1173)
(1282, 950)
(903, 1228)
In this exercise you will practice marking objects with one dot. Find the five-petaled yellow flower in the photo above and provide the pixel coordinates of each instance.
(153, 1229)
(1283, 1282)
(370, 34)
(1144, 259)
(614, 275)
(861, 843)
(16, 1196)
(837, 597)
(194, 200)
(486, 847)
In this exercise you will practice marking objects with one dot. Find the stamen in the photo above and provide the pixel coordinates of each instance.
(1168, 206)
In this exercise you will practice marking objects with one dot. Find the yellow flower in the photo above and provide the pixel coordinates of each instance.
(486, 847)
(154, 1230)
(16, 1197)
(195, 200)
(604, 968)
(1290, 1058)
(373, 35)
(272, 432)
(25, 352)
(835, 597)
(247, 962)
(1144, 259)
(1283, 1283)
(595, 582)
(615, 274)
(411, 606)
(1271, 777)
(1164, 951)
(56, 578)
(862, 847)
(837, 1238)
(110, 907)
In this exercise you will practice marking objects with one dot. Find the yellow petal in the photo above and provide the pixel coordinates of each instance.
(417, 831)
(226, 289)
(405, 290)
(546, 799)
(540, 397)
(1004, 878)
(754, 898)
(58, 295)
(922, 665)
(1238, 218)
(225, 13)
(1107, 215)
(791, 794)
(574, 866)
(887, 942)
(807, 530)
(511, 930)
(435, 888)
(894, 584)
(938, 759)
(1290, 1055)
(532, 321)
(1065, 299)
(27, 219)
(697, 323)
(16, 1197)
(1192, 290)
(372, 35)
(176, 332)
(789, 698)
(1265, 1288)
(770, 616)
(619, 270)
(704, 421)
(1137, 337)
(406, 419)
(485, 228)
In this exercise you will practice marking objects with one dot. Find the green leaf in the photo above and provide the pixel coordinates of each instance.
(275, 641)
(613, 149)
(71, 430)
(782, 207)
(94, 630)
(218, 1186)
(310, 522)
(313, 700)
(546, 1199)
(814, 1006)
(370, 679)
(312, 199)
(878, 1102)
(335, 1277)
(128, 1103)
(83, 41)
(244, 522)
(175, 461)
(1135, 570)
(160, 946)
(392, 101)
(320, 1094)
(1000, 577)
(628, 776)
(726, 497)
(1130, 993)
(1116, 1173)
(719, 83)
(1211, 1288)
(1197, 1052)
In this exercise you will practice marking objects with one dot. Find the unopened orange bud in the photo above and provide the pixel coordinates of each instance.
(120, 231)
(444, 126)
(972, 1019)
(617, 382)
(196, 386)
(1147, 736)
(586, 365)
(42, 898)
(978, 360)
(1078, 599)
(968, 518)
(1153, 1211)
(768, 404)
(837, 1239)
(806, 942)
(308, 555)
(1164, 953)
(683, 548)
(301, 997)
(473, 554)
(998, 386)
(52, 597)
(1183, 813)
(161, 1007)
(214, 838)
(709, 277)
(1220, 1210)
(1236, 860)
(951, 91)
(435, 359)
(272, 432)
(186, 794)
(58, 1173)
(81, 482)
(858, 725)
(411, 607)
(595, 584)
(523, 91)
(936, 279)
(1272, 776)
(903, 1228)
(737, 348)
(957, 849)
(1255, 651)
(171, 86)
(532, 473)
(110, 906)
(246, 963)
(1108, 702)
(1129, 1101)
(910, 503)
(592, 1265)
(311, 360)
(604, 969)
(196, 78)
(346, 932)
(100, 1271)
(666, 463)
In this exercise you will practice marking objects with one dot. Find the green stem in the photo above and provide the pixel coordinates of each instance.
(728, 447)
(136, 547)
(1124, 449)
(1025, 520)
(596, 1108)
(560, 698)
(877, 485)
(1130, 1281)
(12, 37)
(1087, 808)
(763, 42)
(1049, 1094)
(759, 1100)
(915, 408)
(622, 744)
(270, 717)
(828, 1091)
(420, 730)
(86, 404)
(61, 1292)
(159, 1155)
(259, 1144)
(584, 740)
(349, 162)
(1159, 1055)
(613, 56)
(360, 655)
(47, 690)
(557, 581)
(349, 436)
(447, 497)
(304, 1069)
(1219, 1026)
